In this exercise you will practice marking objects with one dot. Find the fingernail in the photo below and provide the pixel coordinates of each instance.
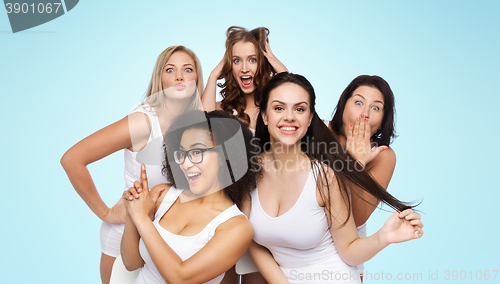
(385, 148)
(357, 118)
(400, 215)
(136, 195)
(366, 119)
(129, 198)
(408, 217)
(350, 125)
(362, 116)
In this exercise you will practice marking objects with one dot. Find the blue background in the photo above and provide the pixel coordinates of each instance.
(66, 79)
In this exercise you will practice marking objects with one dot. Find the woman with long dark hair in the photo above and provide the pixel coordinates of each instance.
(364, 122)
(301, 208)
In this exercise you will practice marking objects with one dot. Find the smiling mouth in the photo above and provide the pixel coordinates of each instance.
(288, 130)
(193, 177)
(246, 81)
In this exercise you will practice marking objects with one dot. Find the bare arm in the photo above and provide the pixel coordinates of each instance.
(400, 227)
(95, 147)
(275, 63)
(229, 243)
(129, 247)
(381, 169)
(209, 95)
(380, 163)
(266, 264)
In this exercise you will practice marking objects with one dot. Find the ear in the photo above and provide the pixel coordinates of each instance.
(264, 118)
(310, 119)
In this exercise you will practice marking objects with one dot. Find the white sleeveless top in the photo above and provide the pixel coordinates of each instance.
(184, 246)
(152, 155)
(300, 240)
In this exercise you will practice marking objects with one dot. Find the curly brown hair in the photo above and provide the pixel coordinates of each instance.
(232, 96)
(223, 129)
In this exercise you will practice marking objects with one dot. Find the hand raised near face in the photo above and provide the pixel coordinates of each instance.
(275, 63)
(359, 141)
(138, 200)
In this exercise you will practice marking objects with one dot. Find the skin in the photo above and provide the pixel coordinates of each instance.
(244, 53)
(278, 190)
(186, 218)
(131, 133)
(362, 117)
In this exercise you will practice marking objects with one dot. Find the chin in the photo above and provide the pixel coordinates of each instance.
(247, 90)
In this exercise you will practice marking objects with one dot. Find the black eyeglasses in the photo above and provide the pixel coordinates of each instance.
(194, 155)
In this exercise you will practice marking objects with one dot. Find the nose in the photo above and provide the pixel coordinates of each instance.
(289, 115)
(187, 164)
(366, 112)
(244, 67)
(179, 77)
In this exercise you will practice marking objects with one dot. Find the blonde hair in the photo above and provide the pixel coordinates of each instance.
(154, 94)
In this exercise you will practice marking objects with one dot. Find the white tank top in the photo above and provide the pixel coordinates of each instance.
(184, 246)
(300, 240)
(152, 155)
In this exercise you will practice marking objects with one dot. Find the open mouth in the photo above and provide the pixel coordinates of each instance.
(246, 81)
(288, 130)
(193, 177)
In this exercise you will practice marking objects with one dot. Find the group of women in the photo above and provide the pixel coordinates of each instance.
(297, 196)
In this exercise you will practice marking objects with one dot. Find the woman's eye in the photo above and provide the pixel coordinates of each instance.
(278, 108)
(359, 103)
(375, 108)
(299, 109)
(253, 60)
(195, 152)
(236, 61)
(189, 70)
(169, 70)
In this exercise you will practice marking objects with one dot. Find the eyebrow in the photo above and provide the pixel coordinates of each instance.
(251, 55)
(277, 101)
(193, 145)
(365, 99)
(187, 64)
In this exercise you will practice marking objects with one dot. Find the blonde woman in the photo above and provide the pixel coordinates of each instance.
(176, 85)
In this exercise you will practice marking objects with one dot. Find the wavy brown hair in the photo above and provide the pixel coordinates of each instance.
(232, 96)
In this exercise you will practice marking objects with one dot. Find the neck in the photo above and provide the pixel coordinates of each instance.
(286, 158)
(250, 100)
(213, 197)
(171, 110)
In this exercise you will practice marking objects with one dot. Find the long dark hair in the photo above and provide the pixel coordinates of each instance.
(224, 130)
(232, 96)
(319, 135)
(386, 134)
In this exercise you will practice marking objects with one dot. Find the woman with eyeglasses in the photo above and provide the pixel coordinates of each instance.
(192, 231)
(176, 85)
